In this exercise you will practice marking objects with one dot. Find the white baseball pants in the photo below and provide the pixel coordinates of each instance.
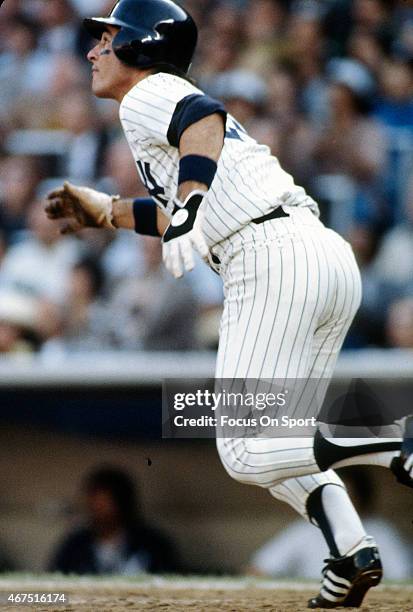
(292, 288)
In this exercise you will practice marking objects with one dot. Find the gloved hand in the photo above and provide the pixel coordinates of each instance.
(184, 235)
(82, 206)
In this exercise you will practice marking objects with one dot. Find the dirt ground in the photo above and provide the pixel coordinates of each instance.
(166, 596)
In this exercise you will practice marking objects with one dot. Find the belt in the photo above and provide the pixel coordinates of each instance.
(277, 213)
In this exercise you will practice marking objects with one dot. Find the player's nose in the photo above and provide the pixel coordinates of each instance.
(92, 55)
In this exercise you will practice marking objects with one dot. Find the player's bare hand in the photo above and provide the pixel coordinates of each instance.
(81, 206)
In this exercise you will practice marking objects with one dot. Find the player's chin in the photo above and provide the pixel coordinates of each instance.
(99, 89)
(99, 92)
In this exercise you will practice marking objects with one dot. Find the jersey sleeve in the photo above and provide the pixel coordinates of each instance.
(189, 110)
(161, 107)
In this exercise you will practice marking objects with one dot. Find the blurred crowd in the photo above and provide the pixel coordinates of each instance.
(105, 530)
(326, 84)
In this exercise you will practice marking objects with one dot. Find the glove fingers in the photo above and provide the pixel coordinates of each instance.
(75, 195)
(187, 256)
(57, 209)
(80, 205)
(80, 195)
(71, 190)
(202, 248)
(89, 206)
(177, 267)
(167, 257)
(53, 210)
(57, 193)
(70, 228)
(174, 259)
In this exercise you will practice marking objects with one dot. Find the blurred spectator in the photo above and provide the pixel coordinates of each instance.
(403, 26)
(293, 136)
(219, 43)
(24, 69)
(86, 148)
(364, 47)
(352, 146)
(368, 326)
(374, 16)
(397, 248)
(395, 106)
(65, 74)
(93, 7)
(82, 314)
(59, 25)
(122, 256)
(3, 244)
(18, 323)
(384, 282)
(263, 35)
(115, 538)
(337, 26)
(153, 311)
(352, 143)
(41, 264)
(304, 59)
(326, 84)
(19, 177)
(394, 110)
(243, 92)
(399, 325)
(68, 75)
(120, 169)
(298, 552)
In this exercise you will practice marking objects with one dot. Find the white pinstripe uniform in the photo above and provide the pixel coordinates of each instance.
(291, 286)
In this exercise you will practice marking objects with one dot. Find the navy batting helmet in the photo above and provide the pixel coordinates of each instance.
(151, 33)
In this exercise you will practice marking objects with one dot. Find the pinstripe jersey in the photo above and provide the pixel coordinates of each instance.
(291, 286)
(249, 180)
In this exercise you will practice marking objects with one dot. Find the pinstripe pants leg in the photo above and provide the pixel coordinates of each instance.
(292, 288)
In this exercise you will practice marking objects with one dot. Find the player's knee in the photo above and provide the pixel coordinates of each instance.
(241, 475)
(241, 470)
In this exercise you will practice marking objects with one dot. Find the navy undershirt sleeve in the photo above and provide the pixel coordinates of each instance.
(189, 110)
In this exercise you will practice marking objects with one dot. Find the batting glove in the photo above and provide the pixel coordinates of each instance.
(184, 235)
(84, 207)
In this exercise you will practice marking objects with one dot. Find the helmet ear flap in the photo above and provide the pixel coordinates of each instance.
(126, 46)
(165, 27)
(134, 50)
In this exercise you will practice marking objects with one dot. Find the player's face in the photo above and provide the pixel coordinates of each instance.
(110, 77)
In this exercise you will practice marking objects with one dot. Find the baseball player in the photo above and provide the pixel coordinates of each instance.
(291, 285)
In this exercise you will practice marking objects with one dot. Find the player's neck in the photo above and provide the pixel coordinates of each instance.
(136, 77)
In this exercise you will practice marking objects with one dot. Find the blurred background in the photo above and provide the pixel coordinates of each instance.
(91, 325)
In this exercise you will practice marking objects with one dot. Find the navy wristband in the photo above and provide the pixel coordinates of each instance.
(144, 212)
(197, 168)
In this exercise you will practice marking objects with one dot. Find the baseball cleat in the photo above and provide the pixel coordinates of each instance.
(402, 466)
(346, 580)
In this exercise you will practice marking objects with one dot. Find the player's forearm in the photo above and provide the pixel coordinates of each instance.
(162, 222)
(122, 214)
(204, 138)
